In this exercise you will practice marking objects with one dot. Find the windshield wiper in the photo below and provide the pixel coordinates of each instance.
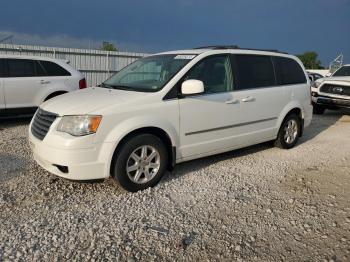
(127, 88)
(115, 86)
(105, 85)
(121, 87)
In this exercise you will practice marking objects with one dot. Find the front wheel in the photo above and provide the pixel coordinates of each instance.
(289, 132)
(140, 163)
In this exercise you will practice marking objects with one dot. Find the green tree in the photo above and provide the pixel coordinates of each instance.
(108, 46)
(310, 60)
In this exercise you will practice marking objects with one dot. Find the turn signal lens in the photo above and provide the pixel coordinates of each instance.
(94, 123)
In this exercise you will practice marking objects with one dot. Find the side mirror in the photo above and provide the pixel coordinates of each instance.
(191, 87)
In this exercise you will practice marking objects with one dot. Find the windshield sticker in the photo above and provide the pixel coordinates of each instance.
(187, 57)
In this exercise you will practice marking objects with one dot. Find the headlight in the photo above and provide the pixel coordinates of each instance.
(316, 84)
(79, 125)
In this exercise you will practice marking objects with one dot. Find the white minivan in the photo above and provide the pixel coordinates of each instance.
(169, 108)
(27, 81)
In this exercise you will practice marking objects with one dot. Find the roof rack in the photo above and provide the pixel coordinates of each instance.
(218, 47)
(237, 47)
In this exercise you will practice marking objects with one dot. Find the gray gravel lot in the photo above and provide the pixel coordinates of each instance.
(256, 204)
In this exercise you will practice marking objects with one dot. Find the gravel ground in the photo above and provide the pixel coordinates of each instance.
(256, 204)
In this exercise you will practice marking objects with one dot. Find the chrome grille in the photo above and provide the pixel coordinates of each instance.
(336, 89)
(42, 123)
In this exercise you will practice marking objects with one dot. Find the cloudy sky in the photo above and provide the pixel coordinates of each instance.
(294, 26)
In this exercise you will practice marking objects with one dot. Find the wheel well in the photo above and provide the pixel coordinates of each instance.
(57, 93)
(158, 132)
(298, 112)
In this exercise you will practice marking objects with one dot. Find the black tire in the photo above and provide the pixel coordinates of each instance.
(281, 140)
(318, 110)
(123, 156)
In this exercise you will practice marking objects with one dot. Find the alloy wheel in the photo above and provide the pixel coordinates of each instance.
(143, 164)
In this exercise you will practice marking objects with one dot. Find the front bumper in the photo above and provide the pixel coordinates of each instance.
(331, 102)
(82, 164)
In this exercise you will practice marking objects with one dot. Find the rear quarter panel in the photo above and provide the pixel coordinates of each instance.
(59, 83)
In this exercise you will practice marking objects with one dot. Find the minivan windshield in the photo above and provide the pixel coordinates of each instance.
(149, 74)
(343, 71)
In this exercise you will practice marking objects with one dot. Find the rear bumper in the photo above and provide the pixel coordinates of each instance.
(331, 102)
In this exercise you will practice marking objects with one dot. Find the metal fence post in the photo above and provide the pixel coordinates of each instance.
(107, 65)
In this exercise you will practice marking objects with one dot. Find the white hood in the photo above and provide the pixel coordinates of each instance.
(341, 80)
(90, 100)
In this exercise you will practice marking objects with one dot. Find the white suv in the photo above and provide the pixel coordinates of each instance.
(332, 92)
(169, 108)
(27, 81)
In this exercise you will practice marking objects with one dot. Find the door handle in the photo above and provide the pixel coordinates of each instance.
(44, 82)
(233, 101)
(248, 99)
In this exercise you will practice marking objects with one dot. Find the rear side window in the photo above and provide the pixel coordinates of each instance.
(3, 68)
(288, 71)
(39, 69)
(21, 68)
(53, 69)
(253, 71)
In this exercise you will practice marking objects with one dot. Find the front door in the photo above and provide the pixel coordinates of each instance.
(208, 121)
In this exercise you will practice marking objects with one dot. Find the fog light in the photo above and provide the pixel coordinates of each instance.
(63, 169)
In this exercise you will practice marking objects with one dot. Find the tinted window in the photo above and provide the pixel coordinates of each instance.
(288, 71)
(3, 68)
(53, 69)
(214, 72)
(253, 71)
(343, 71)
(39, 69)
(21, 68)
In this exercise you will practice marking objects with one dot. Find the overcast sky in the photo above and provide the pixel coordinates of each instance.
(294, 26)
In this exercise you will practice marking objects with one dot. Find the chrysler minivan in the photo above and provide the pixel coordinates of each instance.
(169, 108)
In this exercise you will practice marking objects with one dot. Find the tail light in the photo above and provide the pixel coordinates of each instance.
(82, 83)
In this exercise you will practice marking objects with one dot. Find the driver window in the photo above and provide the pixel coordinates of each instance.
(215, 73)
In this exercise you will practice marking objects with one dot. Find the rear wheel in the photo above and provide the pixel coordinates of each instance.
(141, 162)
(289, 132)
(318, 110)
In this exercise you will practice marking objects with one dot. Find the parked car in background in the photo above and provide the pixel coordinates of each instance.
(27, 81)
(170, 108)
(332, 92)
(314, 76)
